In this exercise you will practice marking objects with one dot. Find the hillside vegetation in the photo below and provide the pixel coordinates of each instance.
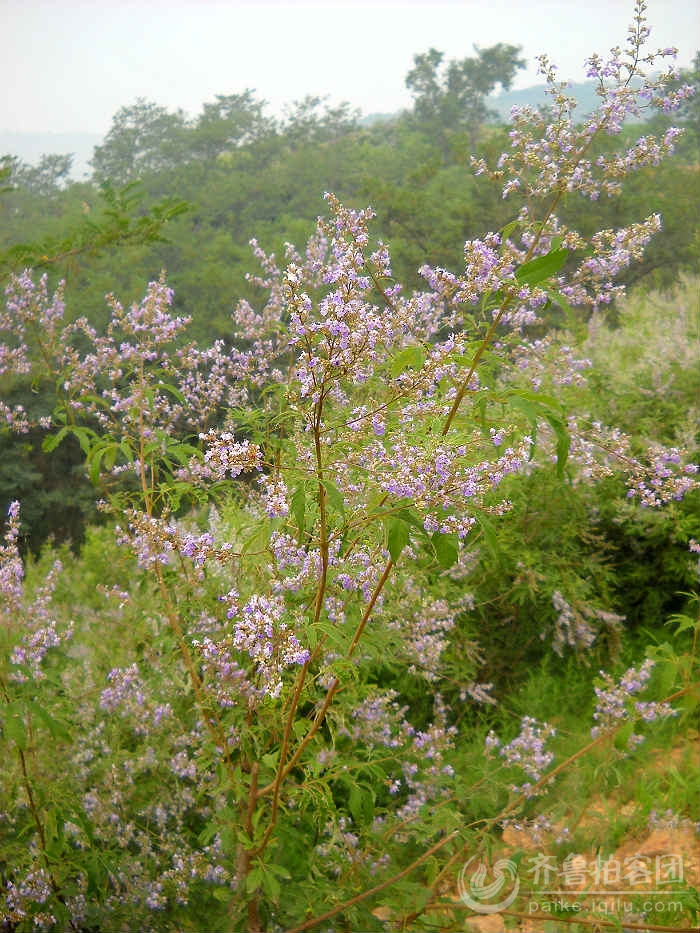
(349, 576)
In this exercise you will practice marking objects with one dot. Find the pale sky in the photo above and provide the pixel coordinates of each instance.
(69, 65)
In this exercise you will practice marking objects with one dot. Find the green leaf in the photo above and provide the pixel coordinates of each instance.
(490, 535)
(53, 823)
(361, 803)
(397, 534)
(51, 442)
(258, 538)
(271, 886)
(446, 549)
(175, 392)
(622, 735)
(301, 727)
(683, 622)
(542, 267)
(335, 496)
(408, 358)
(84, 436)
(563, 441)
(95, 465)
(57, 729)
(207, 834)
(530, 412)
(412, 519)
(540, 399)
(509, 228)
(126, 449)
(14, 726)
(270, 760)
(298, 506)
(254, 880)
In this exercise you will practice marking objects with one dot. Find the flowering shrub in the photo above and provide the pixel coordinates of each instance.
(296, 515)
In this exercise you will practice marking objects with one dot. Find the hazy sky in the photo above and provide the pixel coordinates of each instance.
(69, 65)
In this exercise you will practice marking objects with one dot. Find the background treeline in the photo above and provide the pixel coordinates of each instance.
(187, 195)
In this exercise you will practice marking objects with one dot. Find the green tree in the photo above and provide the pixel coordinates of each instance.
(143, 138)
(231, 121)
(450, 98)
(51, 175)
(313, 120)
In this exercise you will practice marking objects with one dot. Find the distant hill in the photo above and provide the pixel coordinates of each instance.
(30, 147)
(584, 93)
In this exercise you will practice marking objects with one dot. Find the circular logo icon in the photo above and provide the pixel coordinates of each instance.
(477, 894)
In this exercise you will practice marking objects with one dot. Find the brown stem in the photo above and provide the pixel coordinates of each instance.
(323, 543)
(505, 304)
(34, 810)
(518, 801)
(283, 768)
(370, 606)
(377, 888)
(211, 717)
(332, 690)
(279, 776)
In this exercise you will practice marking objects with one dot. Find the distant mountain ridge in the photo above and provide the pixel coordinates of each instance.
(584, 93)
(30, 147)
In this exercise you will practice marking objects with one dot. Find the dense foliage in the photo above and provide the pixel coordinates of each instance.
(359, 549)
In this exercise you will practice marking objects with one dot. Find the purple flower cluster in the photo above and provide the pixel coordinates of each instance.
(128, 696)
(346, 334)
(275, 494)
(547, 363)
(549, 156)
(359, 573)
(661, 475)
(526, 751)
(295, 566)
(11, 568)
(573, 627)
(30, 311)
(615, 703)
(159, 541)
(442, 481)
(259, 630)
(665, 479)
(137, 378)
(591, 283)
(23, 896)
(226, 458)
(426, 775)
(423, 627)
(379, 721)
(27, 619)
(226, 680)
